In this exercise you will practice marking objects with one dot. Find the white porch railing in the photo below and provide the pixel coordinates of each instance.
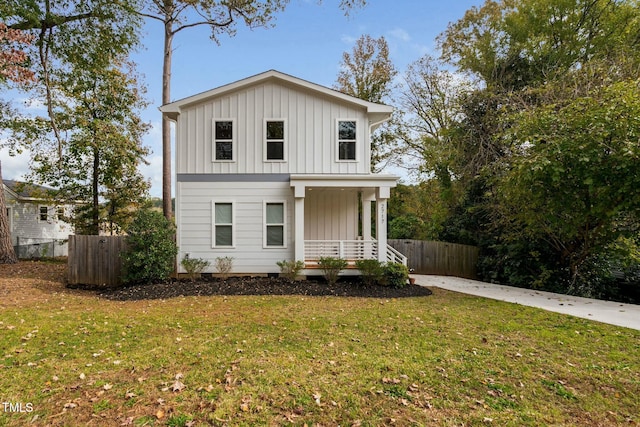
(351, 250)
(395, 256)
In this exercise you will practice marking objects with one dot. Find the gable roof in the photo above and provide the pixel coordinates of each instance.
(25, 191)
(379, 112)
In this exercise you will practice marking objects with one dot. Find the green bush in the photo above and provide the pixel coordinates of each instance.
(194, 266)
(331, 268)
(151, 248)
(395, 274)
(290, 269)
(372, 271)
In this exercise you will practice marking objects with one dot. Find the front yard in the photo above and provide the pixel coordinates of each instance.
(69, 357)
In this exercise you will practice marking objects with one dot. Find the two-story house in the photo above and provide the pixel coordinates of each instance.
(274, 168)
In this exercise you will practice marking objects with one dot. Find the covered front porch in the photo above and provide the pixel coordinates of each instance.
(342, 216)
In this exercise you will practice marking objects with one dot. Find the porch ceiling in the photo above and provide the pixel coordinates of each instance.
(301, 182)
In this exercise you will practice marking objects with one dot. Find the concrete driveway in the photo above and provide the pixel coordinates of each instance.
(614, 313)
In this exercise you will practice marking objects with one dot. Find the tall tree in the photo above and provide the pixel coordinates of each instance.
(92, 98)
(367, 73)
(99, 165)
(431, 99)
(553, 112)
(222, 17)
(13, 68)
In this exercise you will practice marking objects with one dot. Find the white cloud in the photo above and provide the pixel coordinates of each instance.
(400, 34)
(346, 39)
(14, 167)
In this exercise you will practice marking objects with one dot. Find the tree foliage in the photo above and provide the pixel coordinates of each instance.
(14, 64)
(367, 73)
(575, 182)
(89, 146)
(545, 145)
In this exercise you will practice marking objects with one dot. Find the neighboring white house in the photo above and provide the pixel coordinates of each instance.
(274, 168)
(36, 227)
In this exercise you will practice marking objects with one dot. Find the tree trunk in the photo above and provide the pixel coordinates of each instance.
(95, 180)
(166, 125)
(7, 254)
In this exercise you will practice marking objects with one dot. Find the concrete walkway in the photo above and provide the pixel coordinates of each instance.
(614, 313)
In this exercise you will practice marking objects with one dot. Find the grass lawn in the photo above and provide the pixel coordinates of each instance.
(70, 358)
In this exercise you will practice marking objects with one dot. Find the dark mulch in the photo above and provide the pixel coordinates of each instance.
(260, 286)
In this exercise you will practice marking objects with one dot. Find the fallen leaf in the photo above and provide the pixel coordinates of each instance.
(178, 386)
(107, 386)
(160, 414)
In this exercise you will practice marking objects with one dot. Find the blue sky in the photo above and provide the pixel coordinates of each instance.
(307, 41)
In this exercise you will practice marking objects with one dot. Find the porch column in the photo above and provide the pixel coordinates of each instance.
(381, 222)
(367, 198)
(298, 235)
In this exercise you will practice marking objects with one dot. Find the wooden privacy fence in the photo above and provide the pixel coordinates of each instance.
(95, 260)
(446, 259)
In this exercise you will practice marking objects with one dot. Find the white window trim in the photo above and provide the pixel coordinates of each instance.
(213, 224)
(40, 213)
(284, 140)
(233, 139)
(264, 224)
(9, 213)
(337, 134)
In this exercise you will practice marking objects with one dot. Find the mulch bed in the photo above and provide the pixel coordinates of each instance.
(260, 286)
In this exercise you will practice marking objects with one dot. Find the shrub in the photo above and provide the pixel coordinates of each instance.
(290, 269)
(151, 249)
(331, 268)
(194, 266)
(224, 265)
(372, 271)
(395, 274)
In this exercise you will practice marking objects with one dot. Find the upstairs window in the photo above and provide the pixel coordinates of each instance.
(223, 137)
(222, 224)
(346, 140)
(275, 140)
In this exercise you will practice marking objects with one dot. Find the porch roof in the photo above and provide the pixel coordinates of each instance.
(302, 181)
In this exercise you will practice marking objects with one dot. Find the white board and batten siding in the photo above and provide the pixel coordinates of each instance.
(311, 134)
(331, 214)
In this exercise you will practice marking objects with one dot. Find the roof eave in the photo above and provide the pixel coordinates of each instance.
(173, 109)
